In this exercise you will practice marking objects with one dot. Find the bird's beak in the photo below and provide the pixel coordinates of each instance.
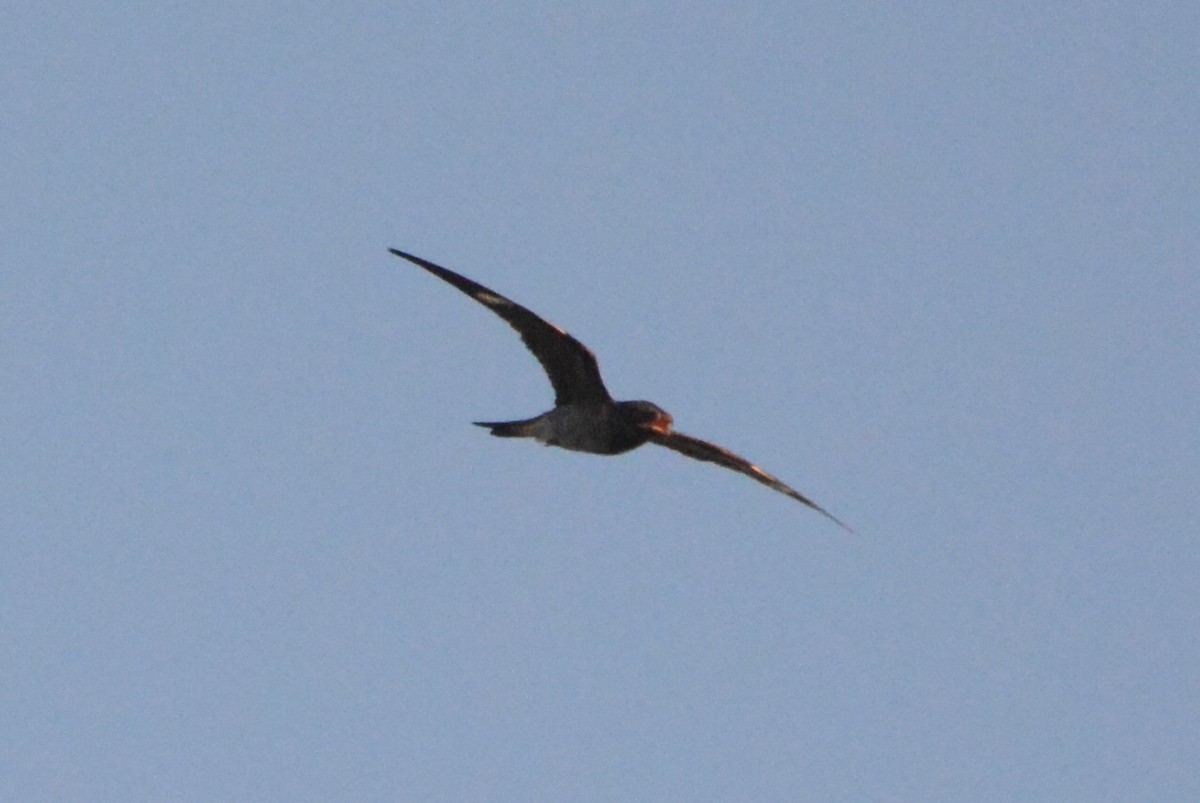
(661, 426)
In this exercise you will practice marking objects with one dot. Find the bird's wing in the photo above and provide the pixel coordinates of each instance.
(709, 452)
(569, 364)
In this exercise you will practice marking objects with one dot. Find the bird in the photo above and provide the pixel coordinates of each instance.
(585, 418)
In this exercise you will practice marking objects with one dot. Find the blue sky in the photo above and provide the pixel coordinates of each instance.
(933, 265)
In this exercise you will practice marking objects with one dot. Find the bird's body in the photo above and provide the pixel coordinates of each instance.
(597, 428)
(585, 418)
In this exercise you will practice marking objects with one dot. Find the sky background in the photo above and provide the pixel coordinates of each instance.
(935, 265)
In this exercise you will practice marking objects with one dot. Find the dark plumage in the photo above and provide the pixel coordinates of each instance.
(585, 417)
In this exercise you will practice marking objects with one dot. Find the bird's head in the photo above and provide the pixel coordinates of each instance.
(647, 416)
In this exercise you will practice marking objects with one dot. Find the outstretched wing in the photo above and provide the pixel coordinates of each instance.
(569, 364)
(711, 453)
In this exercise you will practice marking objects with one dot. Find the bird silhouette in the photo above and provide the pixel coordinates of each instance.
(585, 417)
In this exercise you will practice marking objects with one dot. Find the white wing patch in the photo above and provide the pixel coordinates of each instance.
(492, 300)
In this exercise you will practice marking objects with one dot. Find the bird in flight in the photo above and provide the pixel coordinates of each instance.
(585, 417)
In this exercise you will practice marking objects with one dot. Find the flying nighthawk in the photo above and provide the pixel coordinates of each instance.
(585, 417)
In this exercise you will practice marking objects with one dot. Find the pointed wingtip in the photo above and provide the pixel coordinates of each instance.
(844, 526)
(814, 506)
(829, 516)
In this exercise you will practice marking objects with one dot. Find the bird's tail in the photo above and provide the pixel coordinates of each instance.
(508, 429)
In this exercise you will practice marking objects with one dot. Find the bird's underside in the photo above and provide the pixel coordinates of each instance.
(585, 417)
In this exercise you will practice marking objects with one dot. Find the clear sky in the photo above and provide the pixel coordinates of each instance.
(936, 265)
